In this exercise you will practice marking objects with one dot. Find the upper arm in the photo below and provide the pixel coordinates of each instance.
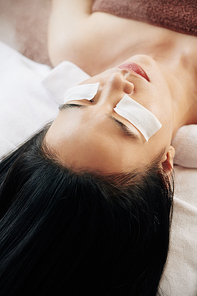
(93, 41)
(68, 23)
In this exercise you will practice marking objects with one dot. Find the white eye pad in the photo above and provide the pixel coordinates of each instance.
(139, 116)
(80, 92)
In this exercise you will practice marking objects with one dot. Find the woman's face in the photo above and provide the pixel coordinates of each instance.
(91, 135)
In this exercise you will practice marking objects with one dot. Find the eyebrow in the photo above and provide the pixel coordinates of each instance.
(120, 124)
(124, 128)
(68, 106)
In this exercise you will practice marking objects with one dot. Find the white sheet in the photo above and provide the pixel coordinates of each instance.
(26, 106)
(180, 276)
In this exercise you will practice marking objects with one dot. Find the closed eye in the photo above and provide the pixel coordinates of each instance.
(124, 128)
(121, 125)
(67, 106)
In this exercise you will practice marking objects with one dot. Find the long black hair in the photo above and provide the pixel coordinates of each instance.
(70, 233)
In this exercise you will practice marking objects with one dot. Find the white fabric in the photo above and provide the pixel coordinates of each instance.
(26, 106)
(185, 144)
(180, 276)
(61, 78)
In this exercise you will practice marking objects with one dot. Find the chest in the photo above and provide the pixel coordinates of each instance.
(112, 40)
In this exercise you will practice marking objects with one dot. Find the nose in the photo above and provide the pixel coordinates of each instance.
(115, 88)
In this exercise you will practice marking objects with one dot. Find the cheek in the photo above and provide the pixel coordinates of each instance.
(161, 140)
(159, 103)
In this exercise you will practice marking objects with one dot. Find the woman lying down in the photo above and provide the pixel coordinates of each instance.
(86, 203)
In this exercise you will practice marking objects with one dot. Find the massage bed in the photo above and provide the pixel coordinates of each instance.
(30, 94)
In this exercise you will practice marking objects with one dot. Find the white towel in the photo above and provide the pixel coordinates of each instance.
(180, 275)
(26, 105)
(185, 144)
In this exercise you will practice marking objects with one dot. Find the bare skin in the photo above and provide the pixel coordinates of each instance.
(100, 41)
(169, 59)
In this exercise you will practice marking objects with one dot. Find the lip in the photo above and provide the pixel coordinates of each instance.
(135, 68)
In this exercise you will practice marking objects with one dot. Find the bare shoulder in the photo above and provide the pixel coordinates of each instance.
(88, 40)
(67, 25)
(96, 41)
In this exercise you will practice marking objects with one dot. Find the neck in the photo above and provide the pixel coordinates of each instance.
(178, 62)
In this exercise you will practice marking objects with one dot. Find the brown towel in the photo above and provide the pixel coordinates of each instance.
(176, 15)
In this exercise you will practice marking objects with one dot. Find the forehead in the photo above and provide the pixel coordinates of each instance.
(98, 146)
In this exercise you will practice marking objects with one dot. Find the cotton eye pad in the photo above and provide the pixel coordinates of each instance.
(80, 92)
(139, 116)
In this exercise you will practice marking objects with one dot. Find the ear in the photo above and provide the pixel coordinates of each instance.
(167, 162)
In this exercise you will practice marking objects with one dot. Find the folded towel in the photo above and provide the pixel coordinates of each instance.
(180, 274)
(180, 16)
(26, 106)
(185, 144)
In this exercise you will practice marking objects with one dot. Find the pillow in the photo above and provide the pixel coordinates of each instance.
(185, 144)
